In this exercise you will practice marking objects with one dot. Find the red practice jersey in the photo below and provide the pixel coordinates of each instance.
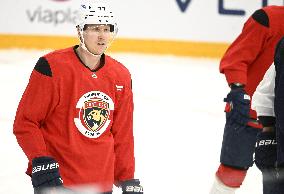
(82, 118)
(251, 54)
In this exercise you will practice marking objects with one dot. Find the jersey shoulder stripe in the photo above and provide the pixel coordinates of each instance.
(261, 17)
(42, 66)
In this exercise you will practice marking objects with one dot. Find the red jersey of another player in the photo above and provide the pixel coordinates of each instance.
(82, 118)
(251, 54)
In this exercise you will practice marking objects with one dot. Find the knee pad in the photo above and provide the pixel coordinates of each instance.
(230, 176)
(238, 146)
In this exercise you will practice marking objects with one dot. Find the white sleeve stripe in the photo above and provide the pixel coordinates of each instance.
(263, 98)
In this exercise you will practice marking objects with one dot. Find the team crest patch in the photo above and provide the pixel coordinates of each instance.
(94, 113)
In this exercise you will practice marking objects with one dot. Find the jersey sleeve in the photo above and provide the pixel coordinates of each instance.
(122, 130)
(245, 49)
(37, 103)
(263, 97)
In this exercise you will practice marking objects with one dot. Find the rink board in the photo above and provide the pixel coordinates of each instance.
(168, 47)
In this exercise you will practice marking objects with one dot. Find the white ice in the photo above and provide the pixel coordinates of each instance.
(179, 122)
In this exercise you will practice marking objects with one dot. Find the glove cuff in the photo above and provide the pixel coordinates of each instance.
(131, 187)
(236, 86)
(266, 138)
(44, 163)
(45, 172)
(131, 182)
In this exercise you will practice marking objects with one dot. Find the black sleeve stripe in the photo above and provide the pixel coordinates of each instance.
(42, 66)
(261, 17)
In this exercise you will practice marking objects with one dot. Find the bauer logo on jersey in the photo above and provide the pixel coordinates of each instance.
(94, 113)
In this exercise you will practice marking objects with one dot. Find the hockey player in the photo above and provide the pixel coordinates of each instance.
(75, 119)
(244, 64)
(267, 98)
(266, 146)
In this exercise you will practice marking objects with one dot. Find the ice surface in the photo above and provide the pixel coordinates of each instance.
(178, 123)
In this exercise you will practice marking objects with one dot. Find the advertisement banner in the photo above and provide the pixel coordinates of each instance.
(209, 21)
(202, 20)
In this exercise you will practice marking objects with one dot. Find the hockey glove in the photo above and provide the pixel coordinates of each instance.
(237, 107)
(265, 160)
(45, 173)
(265, 150)
(131, 187)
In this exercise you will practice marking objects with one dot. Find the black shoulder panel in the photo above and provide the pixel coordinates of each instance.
(279, 86)
(261, 17)
(279, 53)
(42, 66)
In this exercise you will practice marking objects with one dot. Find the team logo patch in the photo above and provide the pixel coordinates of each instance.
(94, 113)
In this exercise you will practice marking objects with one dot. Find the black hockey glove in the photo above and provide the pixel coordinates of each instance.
(265, 160)
(238, 106)
(265, 150)
(131, 187)
(45, 174)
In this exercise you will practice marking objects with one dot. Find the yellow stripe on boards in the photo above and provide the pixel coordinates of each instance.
(163, 47)
(36, 42)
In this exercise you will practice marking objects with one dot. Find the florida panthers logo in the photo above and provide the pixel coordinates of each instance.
(94, 113)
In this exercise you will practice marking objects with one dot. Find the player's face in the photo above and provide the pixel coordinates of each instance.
(97, 37)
